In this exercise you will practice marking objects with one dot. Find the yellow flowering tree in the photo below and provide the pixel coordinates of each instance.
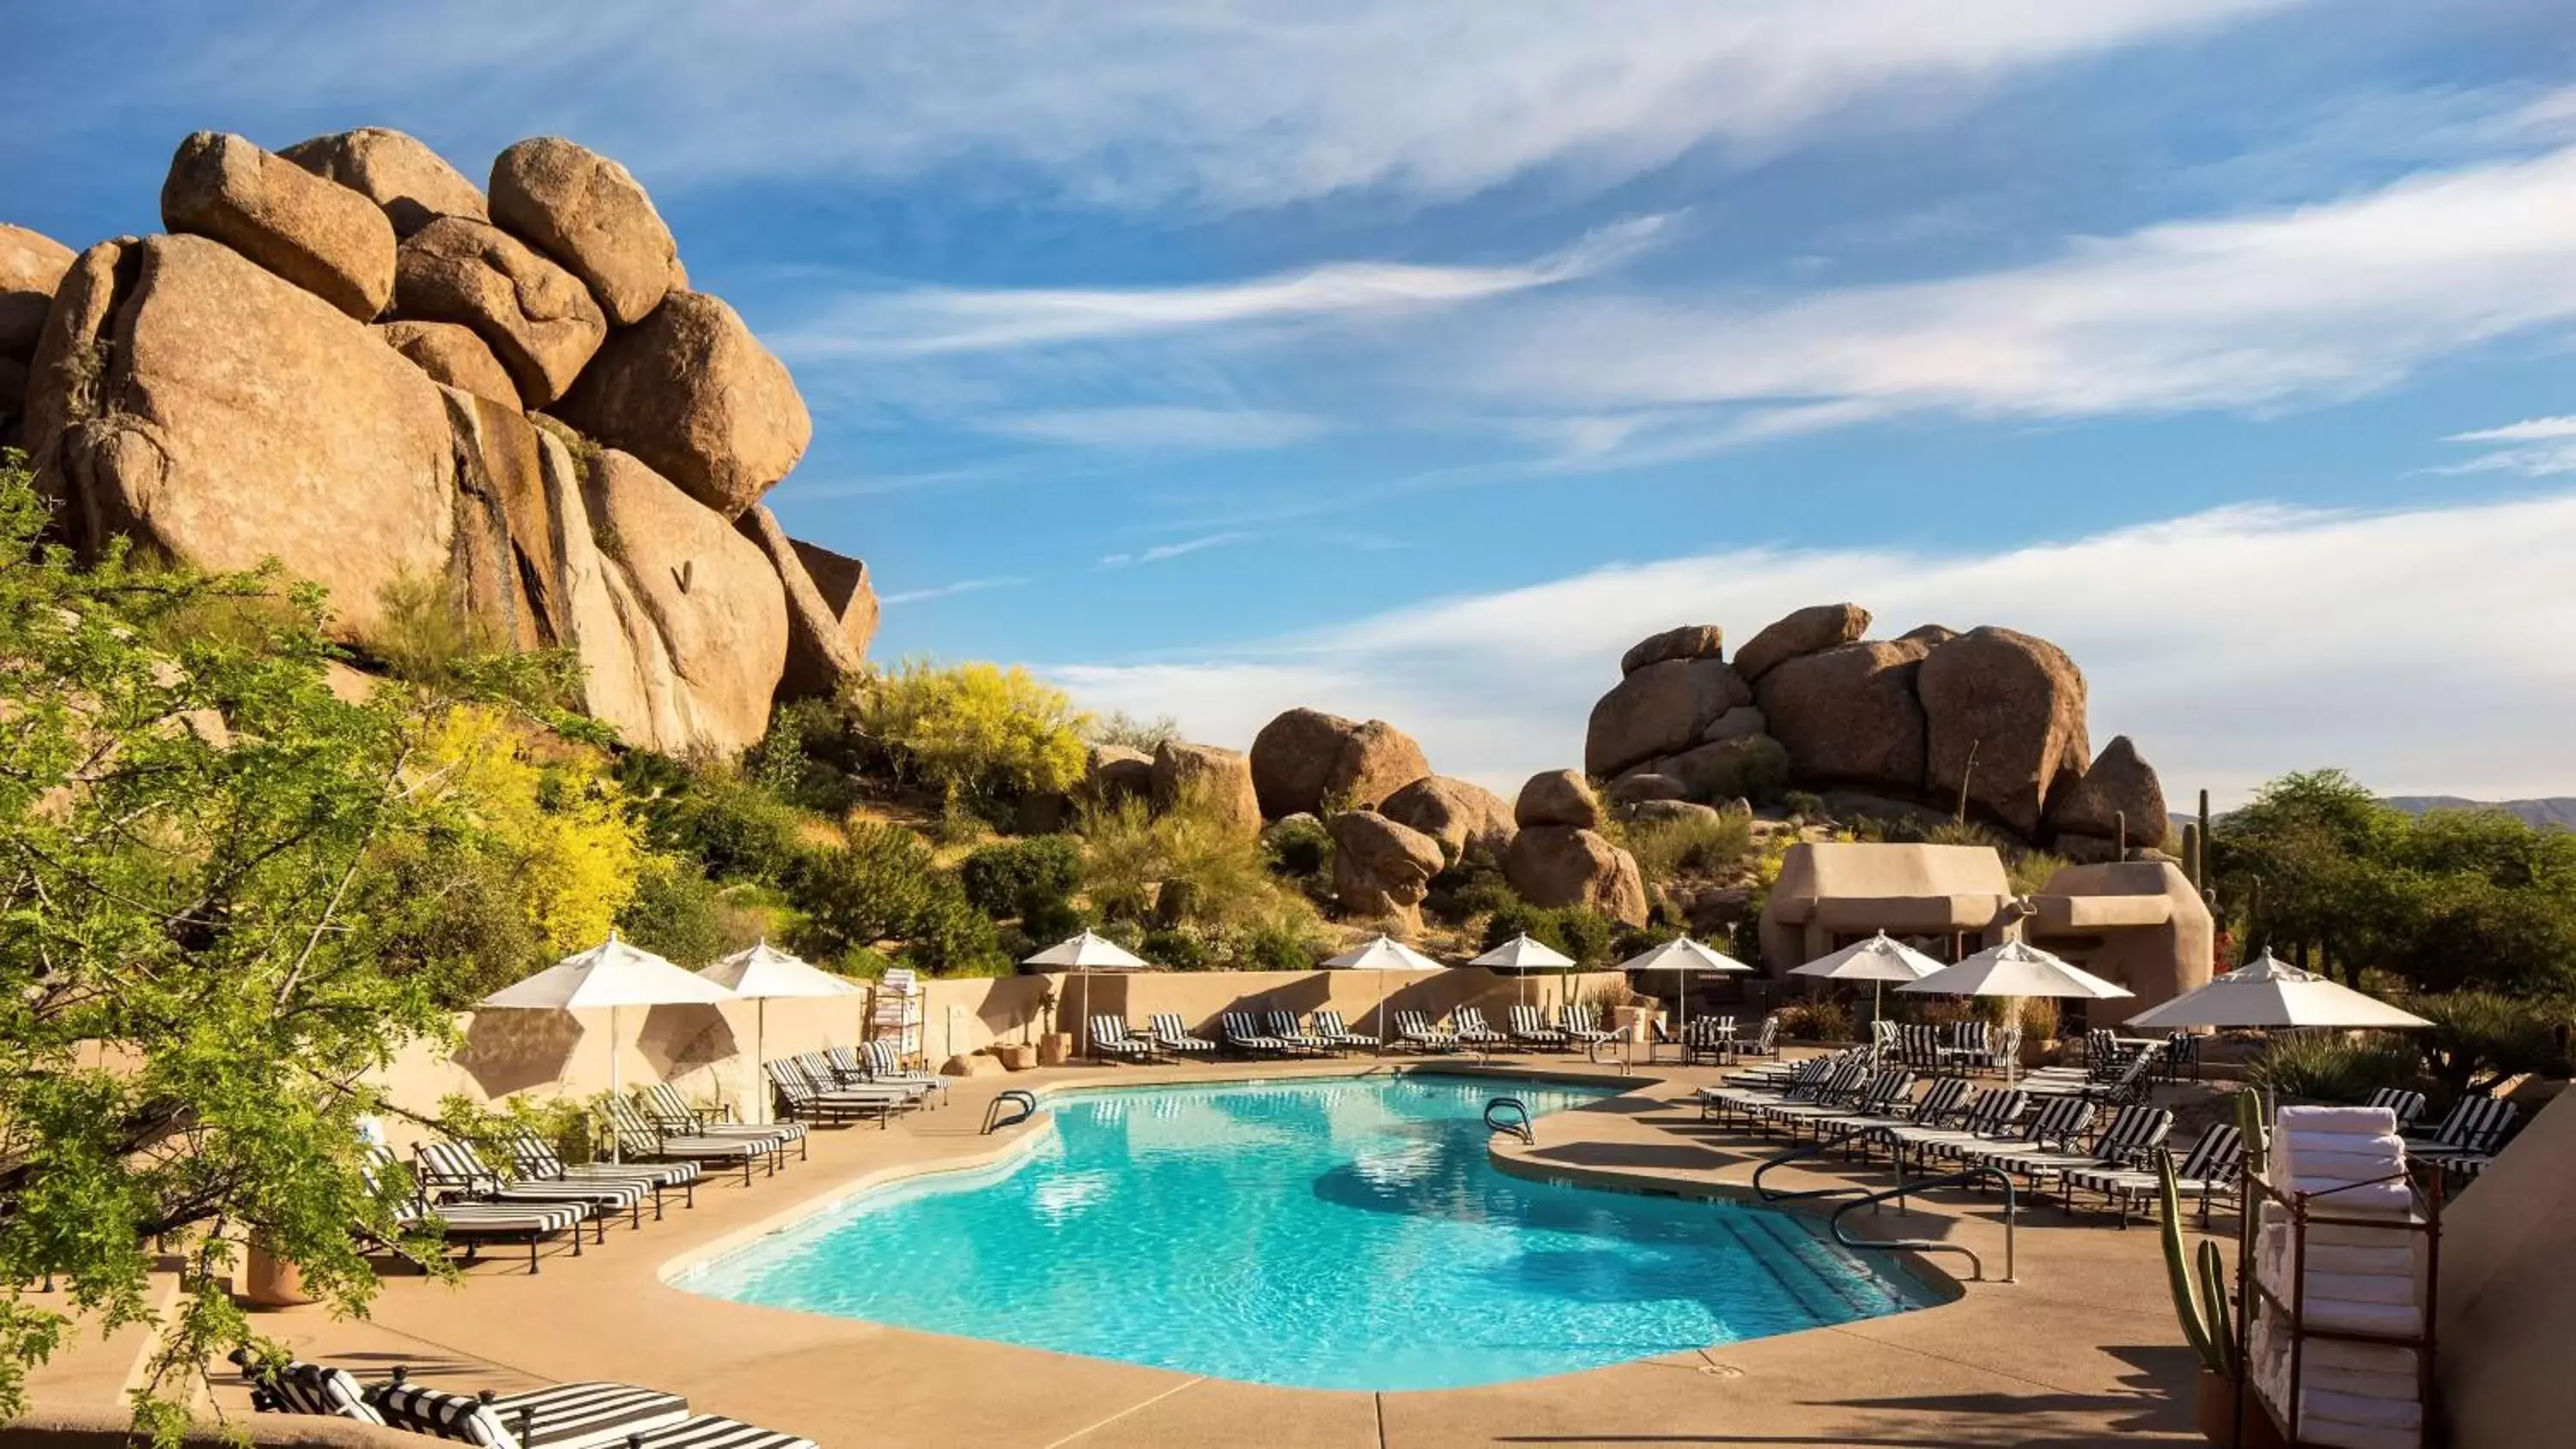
(975, 731)
(549, 807)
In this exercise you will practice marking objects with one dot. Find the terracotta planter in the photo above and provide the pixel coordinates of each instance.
(1017, 1058)
(2038, 1052)
(2214, 1414)
(271, 1282)
(1055, 1049)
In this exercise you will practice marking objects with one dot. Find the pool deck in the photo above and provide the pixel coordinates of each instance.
(2083, 1350)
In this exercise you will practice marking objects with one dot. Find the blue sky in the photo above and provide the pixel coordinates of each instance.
(1412, 360)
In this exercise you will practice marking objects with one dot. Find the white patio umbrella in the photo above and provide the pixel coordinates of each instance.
(760, 972)
(1083, 955)
(1683, 955)
(2016, 969)
(1382, 955)
(2270, 992)
(614, 974)
(1522, 957)
(1878, 960)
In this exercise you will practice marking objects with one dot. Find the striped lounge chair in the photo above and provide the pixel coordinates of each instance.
(1989, 1117)
(636, 1136)
(1528, 1027)
(473, 1224)
(2211, 1170)
(297, 1387)
(1110, 1041)
(1329, 1027)
(1415, 1030)
(1173, 1035)
(1805, 1082)
(1582, 1024)
(2058, 1125)
(1283, 1025)
(2474, 1128)
(802, 1097)
(1765, 1041)
(536, 1158)
(1855, 1091)
(1244, 1036)
(2407, 1105)
(1712, 1037)
(1472, 1029)
(832, 1081)
(882, 1066)
(457, 1167)
(666, 1109)
(2133, 1133)
(573, 1416)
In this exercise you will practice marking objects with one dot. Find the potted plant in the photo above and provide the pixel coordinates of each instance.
(2039, 1021)
(2199, 1283)
(269, 1281)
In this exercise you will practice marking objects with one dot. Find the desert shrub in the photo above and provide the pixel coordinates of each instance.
(1299, 848)
(2325, 1066)
(1126, 730)
(1804, 804)
(2482, 1039)
(1816, 1018)
(1179, 948)
(1579, 931)
(1191, 863)
(1758, 771)
(1963, 832)
(1122, 858)
(974, 732)
(424, 631)
(1606, 997)
(733, 827)
(1695, 844)
(949, 937)
(2029, 870)
(1289, 940)
(883, 885)
(678, 913)
(1468, 887)
(1018, 877)
(448, 913)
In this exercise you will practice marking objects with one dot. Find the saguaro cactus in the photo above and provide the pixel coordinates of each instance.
(2199, 1288)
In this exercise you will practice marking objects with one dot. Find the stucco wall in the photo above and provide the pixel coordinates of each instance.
(2507, 1315)
(709, 1050)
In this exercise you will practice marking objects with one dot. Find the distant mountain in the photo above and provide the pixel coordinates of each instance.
(2558, 810)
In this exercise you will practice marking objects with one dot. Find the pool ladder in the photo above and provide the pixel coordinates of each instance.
(1026, 1101)
(1864, 1197)
(1510, 1115)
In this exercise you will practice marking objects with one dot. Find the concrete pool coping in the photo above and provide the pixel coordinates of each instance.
(2084, 1352)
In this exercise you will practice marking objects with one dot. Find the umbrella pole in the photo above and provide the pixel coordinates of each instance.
(1381, 1014)
(759, 1057)
(616, 1148)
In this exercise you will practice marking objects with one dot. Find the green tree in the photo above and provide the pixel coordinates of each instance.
(193, 836)
(980, 733)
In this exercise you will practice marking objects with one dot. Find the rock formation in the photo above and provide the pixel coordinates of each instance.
(1916, 723)
(1305, 760)
(1220, 778)
(1381, 870)
(1557, 797)
(1116, 773)
(328, 361)
(1565, 865)
(1463, 817)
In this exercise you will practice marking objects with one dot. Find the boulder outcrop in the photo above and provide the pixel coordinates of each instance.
(1658, 710)
(31, 268)
(1116, 772)
(690, 391)
(1690, 641)
(1462, 816)
(846, 589)
(1557, 797)
(409, 182)
(1747, 765)
(821, 656)
(2004, 717)
(317, 234)
(588, 213)
(1808, 630)
(1644, 786)
(537, 318)
(1304, 759)
(1849, 714)
(1563, 865)
(2118, 790)
(454, 356)
(1222, 779)
(1381, 870)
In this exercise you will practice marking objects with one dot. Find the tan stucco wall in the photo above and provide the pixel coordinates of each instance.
(1832, 890)
(709, 1050)
(2507, 1315)
(2137, 922)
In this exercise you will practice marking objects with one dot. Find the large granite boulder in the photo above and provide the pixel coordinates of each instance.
(454, 356)
(846, 589)
(1562, 865)
(318, 234)
(1690, 641)
(1657, 710)
(1557, 797)
(538, 319)
(820, 654)
(1117, 772)
(1742, 767)
(1848, 714)
(1304, 759)
(1220, 778)
(714, 606)
(1381, 870)
(1806, 631)
(208, 408)
(2118, 789)
(2004, 715)
(590, 214)
(1461, 815)
(1642, 786)
(691, 392)
(31, 267)
(412, 184)
(508, 530)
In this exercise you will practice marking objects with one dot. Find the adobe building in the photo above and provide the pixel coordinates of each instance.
(2138, 923)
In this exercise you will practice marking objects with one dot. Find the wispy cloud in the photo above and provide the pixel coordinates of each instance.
(2529, 430)
(950, 591)
(2315, 303)
(929, 321)
(1163, 551)
(1171, 428)
(2271, 643)
(2532, 448)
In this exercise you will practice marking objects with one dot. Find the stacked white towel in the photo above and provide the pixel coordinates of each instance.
(2349, 1157)
(2348, 1276)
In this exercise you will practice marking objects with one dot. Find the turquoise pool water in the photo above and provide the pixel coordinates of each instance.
(1344, 1234)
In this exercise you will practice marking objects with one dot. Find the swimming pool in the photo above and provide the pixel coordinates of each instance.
(1332, 1234)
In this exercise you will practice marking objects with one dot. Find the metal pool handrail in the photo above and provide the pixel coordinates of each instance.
(1846, 1139)
(1510, 1106)
(1864, 1197)
(1025, 1100)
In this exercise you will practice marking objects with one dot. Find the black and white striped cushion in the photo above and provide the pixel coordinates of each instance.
(311, 1388)
(443, 1415)
(708, 1431)
(568, 1414)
